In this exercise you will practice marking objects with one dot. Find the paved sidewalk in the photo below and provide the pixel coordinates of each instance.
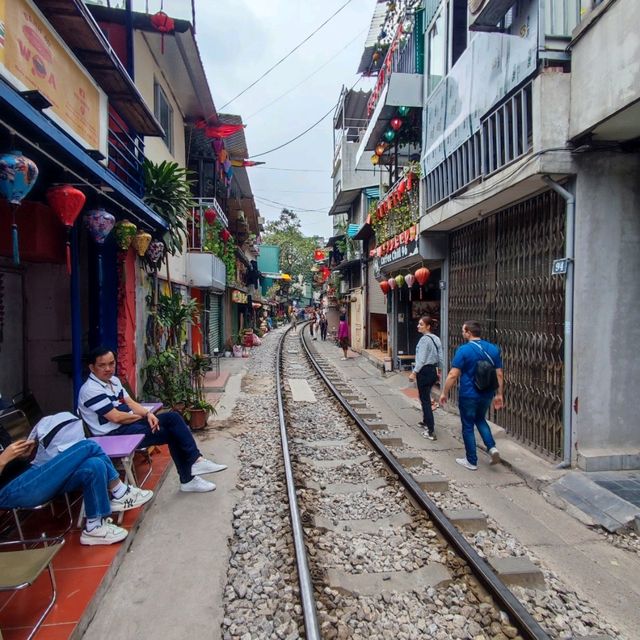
(512, 493)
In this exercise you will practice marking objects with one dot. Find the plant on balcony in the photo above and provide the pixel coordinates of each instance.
(225, 250)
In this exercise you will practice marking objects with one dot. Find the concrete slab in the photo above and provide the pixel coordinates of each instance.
(470, 520)
(400, 519)
(518, 571)
(392, 442)
(301, 391)
(410, 461)
(433, 484)
(369, 584)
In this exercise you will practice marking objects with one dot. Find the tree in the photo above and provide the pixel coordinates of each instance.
(296, 250)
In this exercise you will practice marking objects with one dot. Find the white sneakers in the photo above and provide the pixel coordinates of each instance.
(133, 497)
(106, 533)
(463, 462)
(206, 466)
(495, 455)
(197, 485)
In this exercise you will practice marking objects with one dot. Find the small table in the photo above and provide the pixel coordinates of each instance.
(123, 448)
(154, 407)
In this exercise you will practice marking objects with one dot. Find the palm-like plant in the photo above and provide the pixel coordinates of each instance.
(168, 193)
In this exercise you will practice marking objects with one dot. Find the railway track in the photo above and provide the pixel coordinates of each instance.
(376, 557)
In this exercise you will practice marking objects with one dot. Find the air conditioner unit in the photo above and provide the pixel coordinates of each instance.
(484, 15)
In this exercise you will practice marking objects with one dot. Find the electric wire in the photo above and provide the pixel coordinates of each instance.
(286, 206)
(270, 69)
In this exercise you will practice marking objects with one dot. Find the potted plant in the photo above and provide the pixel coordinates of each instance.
(198, 413)
(199, 408)
(236, 345)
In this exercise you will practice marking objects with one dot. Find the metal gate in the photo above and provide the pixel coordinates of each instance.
(214, 333)
(500, 274)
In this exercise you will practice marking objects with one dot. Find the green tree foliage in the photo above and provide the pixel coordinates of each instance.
(296, 250)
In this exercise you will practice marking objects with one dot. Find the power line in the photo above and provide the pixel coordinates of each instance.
(267, 201)
(288, 169)
(287, 55)
(286, 93)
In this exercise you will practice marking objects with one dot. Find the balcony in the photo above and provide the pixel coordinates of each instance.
(206, 271)
(126, 153)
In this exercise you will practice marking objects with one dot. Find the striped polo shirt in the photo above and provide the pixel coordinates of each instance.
(97, 398)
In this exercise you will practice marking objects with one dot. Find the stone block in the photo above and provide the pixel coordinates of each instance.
(518, 571)
(469, 520)
(392, 442)
(433, 484)
(411, 461)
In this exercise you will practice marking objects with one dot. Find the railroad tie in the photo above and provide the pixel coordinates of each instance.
(518, 571)
(469, 520)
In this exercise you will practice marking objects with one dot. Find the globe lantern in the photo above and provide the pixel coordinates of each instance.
(395, 123)
(66, 202)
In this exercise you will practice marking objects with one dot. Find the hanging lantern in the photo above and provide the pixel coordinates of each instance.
(403, 111)
(17, 177)
(392, 283)
(125, 232)
(225, 236)
(409, 279)
(395, 123)
(422, 275)
(376, 56)
(155, 252)
(318, 255)
(141, 242)
(164, 24)
(375, 158)
(389, 135)
(400, 280)
(384, 285)
(66, 202)
(380, 149)
(99, 223)
(210, 216)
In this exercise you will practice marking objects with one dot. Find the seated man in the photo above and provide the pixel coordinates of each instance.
(83, 465)
(107, 409)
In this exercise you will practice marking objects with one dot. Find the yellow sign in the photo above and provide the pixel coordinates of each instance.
(239, 297)
(32, 56)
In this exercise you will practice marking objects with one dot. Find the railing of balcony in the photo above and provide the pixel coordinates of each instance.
(198, 220)
(504, 136)
(126, 153)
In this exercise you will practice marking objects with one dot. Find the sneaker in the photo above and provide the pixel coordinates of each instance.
(343, 358)
(495, 455)
(106, 533)
(197, 485)
(463, 462)
(430, 436)
(133, 497)
(206, 466)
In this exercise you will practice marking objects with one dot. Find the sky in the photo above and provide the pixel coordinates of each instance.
(238, 41)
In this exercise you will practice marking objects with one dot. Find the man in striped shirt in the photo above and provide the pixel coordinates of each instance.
(107, 409)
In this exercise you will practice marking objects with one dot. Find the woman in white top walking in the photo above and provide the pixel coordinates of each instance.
(425, 372)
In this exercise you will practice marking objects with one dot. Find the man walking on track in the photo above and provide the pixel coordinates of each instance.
(478, 365)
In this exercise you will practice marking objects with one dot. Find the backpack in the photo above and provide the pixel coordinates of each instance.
(54, 434)
(485, 377)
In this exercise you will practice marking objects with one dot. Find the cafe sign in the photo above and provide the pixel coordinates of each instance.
(404, 245)
(33, 57)
(239, 297)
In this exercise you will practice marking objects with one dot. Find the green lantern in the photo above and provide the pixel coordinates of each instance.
(389, 135)
(399, 280)
(402, 111)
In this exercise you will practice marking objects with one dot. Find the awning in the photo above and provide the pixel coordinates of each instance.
(342, 204)
(332, 240)
(60, 149)
(365, 231)
(346, 264)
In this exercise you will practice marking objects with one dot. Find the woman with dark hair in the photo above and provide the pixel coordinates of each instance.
(425, 372)
(343, 335)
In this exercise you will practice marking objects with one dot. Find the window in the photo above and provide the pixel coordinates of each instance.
(164, 114)
(437, 52)
(458, 29)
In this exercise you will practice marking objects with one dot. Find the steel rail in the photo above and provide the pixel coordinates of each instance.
(309, 609)
(523, 620)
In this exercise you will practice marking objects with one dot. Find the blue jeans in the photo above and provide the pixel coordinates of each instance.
(174, 432)
(82, 466)
(473, 412)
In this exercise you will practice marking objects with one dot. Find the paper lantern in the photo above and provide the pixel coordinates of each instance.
(66, 202)
(210, 216)
(400, 280)
(396, 123)
(155, 252)
(422, 275)
(225, 236)
(392, 283)
(409, 279)
(18, 174)
(389, 135)
(375, 158)
(141, 242)
(403, 111)
(384, 285)
(125, 232)
(99, 223)
(380, 149)
(164, 24)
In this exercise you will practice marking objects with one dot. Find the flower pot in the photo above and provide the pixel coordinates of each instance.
(198, 419)
(227, 354)
(237, 351)
(179, 407)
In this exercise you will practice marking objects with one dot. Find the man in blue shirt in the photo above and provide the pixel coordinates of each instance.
(472, 403)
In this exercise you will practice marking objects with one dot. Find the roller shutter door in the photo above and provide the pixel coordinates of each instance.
(377, 299)
(215, 320)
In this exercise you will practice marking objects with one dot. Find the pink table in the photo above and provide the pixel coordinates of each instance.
(154, 407)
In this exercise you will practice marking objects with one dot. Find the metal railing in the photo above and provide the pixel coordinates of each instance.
(196, 227)
(126, 153)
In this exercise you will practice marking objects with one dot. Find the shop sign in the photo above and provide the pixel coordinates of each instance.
(239, 297)
(400, 253)
(32, 56)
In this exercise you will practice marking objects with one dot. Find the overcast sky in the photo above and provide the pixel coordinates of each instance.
(238, 41)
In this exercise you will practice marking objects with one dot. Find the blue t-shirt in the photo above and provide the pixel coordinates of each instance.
(465, 359)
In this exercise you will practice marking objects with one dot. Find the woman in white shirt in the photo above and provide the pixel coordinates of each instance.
(425, 372)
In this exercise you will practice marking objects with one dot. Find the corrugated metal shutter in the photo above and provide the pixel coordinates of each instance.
(377, 299)
(215, 320)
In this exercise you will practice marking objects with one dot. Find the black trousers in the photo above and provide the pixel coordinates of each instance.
(323, 331)
(425, 379)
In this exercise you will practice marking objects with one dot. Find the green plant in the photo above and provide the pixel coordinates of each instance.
(173, 313)
(168, 193)
(167, 379)
(226, 251)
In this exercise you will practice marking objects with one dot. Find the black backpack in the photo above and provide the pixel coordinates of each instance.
(485, 377)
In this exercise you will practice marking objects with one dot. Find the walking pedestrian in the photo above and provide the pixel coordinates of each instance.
(294, 321)
(343, 336)
(474, 402)
(425, 372)
(312, 323)
(316, 324)
(324, 325)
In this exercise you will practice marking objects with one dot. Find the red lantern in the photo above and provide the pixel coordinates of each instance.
(422, 275)
(210, 216)
(318, 255)
(396, 123)
(66, 202)
(225, 236)
(384, 285)
(164, 24)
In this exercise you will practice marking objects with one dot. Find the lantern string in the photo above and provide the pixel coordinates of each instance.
(68, 250)
(14, 236)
